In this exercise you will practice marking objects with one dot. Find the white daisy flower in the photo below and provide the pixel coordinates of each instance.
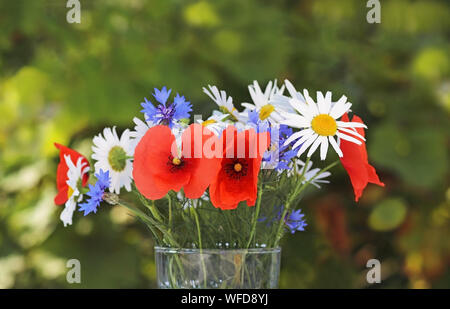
(75, 175)
(264, 104)
(216, 123)
(297, 166)
(319, 124)
(283, 100)
(245, 123)
(140, 129)
(224, 102)
(114, 155)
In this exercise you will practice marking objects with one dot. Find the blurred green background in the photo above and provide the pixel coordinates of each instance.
(64, 82)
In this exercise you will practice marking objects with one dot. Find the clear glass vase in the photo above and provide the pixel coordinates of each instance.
(217, 268)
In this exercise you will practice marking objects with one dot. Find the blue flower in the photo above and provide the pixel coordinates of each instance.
(255, 122)
(96, 193)
(253, 117)
(166, 113)
(162, 95)
(285, 154)
(103, 180)
(182, 107)
(295, 221)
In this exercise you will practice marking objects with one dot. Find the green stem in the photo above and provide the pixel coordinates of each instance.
(298, 189)
(197, 222)
(155, 212)
(168, 238)
(170, 211)
(150, 221)
(151, 207)
(255, 217)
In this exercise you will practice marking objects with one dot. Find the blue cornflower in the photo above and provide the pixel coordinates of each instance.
(253, 117)
(295, 221)
(277, 141)
(166, 113)
(255, 122)
(285, 154)
(96, 193)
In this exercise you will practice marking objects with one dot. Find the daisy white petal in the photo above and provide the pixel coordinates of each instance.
(328, 96)
(314, 146)
(310, 174)
(335, 146)
(296, 135)
(114, 154)
(296, 121)
(224, 102)
(306, 136)
(323, 147)
(140, 128)
(216, 122)
(340, 109)
(306, 144)
(344, 124)
(353, 132)
(67, 213)
(302, 108)
(293, 92)
(321, 104)
(349, 138)
(75, 174)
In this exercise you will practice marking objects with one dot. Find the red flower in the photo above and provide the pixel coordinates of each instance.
(238, 177)
(356, 163)
(61, 172)
(157, 168)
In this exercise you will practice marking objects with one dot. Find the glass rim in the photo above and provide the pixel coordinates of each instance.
(159, 249)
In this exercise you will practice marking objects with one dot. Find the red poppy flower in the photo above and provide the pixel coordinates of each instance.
(157, 168)
(238, 177)
(61, 172)
(356, 163)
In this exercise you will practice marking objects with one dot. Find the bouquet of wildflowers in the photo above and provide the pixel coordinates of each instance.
(232, 181)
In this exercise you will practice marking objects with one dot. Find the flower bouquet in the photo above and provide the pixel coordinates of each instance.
(218, 194)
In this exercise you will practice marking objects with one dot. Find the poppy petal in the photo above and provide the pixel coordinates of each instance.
(227, 190)
(62, 169)
(355, 162)
(204, 169)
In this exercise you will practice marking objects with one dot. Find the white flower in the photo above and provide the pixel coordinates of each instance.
(283, 100)
(75, 174)
(264, 104)
(177, 132)
(140, 129)
(319, 124)
(297, 166)
(224, 102)
(114, 155)
(216, 122)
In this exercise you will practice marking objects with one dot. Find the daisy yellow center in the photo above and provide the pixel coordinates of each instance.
(237, 167)
(225, 110)
(117, 158)
(324, 125)
(265, 111)
(69, 192)
(176, 161)
(208, 122)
